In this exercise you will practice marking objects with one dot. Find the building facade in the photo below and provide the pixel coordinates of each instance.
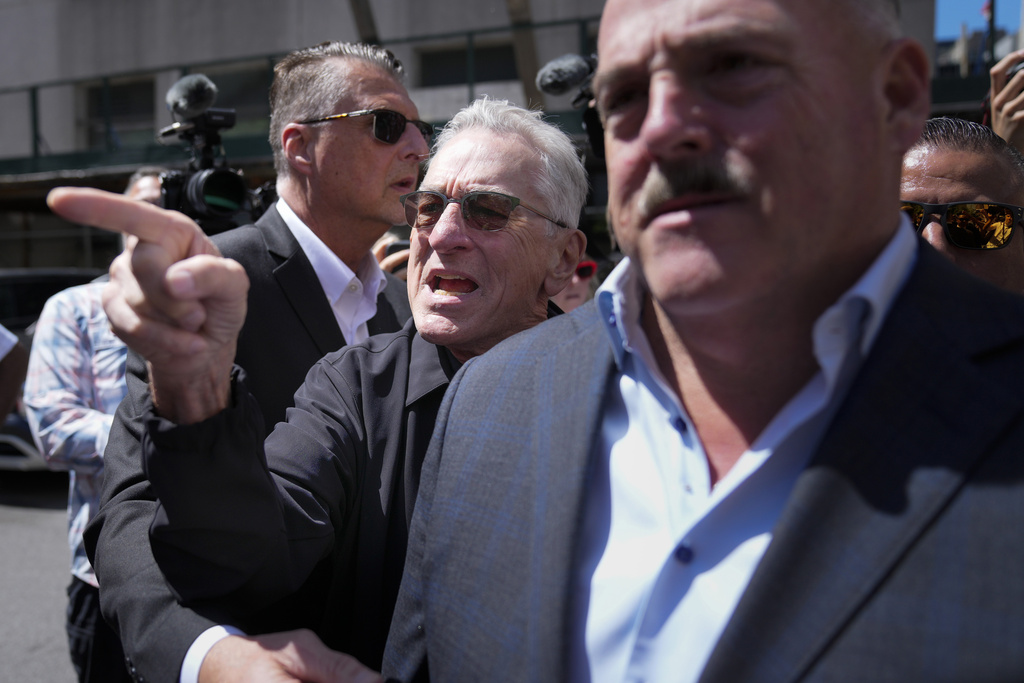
(82, 84)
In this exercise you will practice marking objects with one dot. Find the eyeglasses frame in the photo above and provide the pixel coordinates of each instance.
(941, 210)
(516, 201)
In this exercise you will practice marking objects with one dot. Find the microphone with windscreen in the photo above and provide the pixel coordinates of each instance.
(190, 96)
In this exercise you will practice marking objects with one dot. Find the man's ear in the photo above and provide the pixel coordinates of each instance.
(568, 258)
(298, 144)
(907, 91)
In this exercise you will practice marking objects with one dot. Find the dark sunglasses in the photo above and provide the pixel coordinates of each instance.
(488, 211)
(586, 269)
(388, 126)
(969, 225)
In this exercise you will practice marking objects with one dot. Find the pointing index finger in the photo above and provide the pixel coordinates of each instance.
(118, 213)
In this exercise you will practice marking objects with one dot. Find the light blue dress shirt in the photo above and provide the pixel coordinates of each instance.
(666, 556)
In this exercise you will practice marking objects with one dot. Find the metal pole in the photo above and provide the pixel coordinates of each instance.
(33, 99)
(471, 66)
(108, 122)
(991, 33)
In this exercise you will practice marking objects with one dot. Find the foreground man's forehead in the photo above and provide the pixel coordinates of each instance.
(636, 24)
(634, 39)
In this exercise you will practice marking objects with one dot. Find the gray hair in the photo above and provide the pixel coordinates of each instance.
(967, 136)
(563, 180)
(308, 83)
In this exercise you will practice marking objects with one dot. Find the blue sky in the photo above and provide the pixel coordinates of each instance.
(949, 14)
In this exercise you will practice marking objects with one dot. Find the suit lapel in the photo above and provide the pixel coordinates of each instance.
(917, 420)
(392, 307)
(300, 285)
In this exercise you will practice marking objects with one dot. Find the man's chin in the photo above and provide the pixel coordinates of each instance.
(437, 329)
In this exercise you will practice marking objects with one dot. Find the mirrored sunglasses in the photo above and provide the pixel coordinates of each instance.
(969, 225)
(586, 269)
(487, 211)
(388, 126)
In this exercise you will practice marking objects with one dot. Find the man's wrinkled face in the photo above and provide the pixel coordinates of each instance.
(469, 288)
(934, 175)
(740, 136)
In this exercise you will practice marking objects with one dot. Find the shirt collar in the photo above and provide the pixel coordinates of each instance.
(331, 271)
(431, 367)
(619, 302)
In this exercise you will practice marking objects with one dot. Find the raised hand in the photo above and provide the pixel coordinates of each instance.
(1007, 98)
(172, 298)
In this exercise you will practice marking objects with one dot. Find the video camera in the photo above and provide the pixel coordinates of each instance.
(209, 192)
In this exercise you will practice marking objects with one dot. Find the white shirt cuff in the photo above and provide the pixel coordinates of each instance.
(199, 649)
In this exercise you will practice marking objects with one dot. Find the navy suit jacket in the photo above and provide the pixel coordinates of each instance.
(896, 557)
(288, 328)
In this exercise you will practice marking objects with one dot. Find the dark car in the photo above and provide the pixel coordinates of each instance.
(23, 291)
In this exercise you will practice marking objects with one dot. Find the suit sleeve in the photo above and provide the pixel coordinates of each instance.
(244, 523)
(155, 630)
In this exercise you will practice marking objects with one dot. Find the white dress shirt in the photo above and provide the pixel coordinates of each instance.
(666, 555)
(353, 296)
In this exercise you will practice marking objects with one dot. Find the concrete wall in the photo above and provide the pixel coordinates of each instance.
(46, 41)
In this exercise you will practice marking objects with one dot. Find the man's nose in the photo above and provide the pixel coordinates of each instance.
(676, 123)
(450, 231)
(934, 234)
(413, 142)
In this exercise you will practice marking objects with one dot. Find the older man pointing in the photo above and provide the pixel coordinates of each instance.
(243, 525)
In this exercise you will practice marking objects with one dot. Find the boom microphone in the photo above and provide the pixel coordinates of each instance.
(191, 96)
(564, 73)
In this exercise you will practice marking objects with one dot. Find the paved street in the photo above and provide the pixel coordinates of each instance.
(33, 576)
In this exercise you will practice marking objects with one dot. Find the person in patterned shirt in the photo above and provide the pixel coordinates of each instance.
(75, 381)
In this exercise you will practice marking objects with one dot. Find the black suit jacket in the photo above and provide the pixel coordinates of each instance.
(337, 480)
(289, 326)
(897, 556)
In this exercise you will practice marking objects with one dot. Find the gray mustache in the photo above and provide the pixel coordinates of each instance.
(666, 182)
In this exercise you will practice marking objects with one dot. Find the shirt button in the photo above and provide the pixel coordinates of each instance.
(684, 553)
(353, 287)
(680, 424)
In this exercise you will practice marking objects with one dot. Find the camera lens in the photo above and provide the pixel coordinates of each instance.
(216, 192)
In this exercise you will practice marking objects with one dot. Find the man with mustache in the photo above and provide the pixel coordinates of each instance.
(784, 441)
(242, 527)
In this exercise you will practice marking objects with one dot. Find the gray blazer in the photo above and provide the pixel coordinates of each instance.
(288, 328)
(896, 558)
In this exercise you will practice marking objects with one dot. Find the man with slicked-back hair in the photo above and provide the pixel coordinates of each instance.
(314, 287)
